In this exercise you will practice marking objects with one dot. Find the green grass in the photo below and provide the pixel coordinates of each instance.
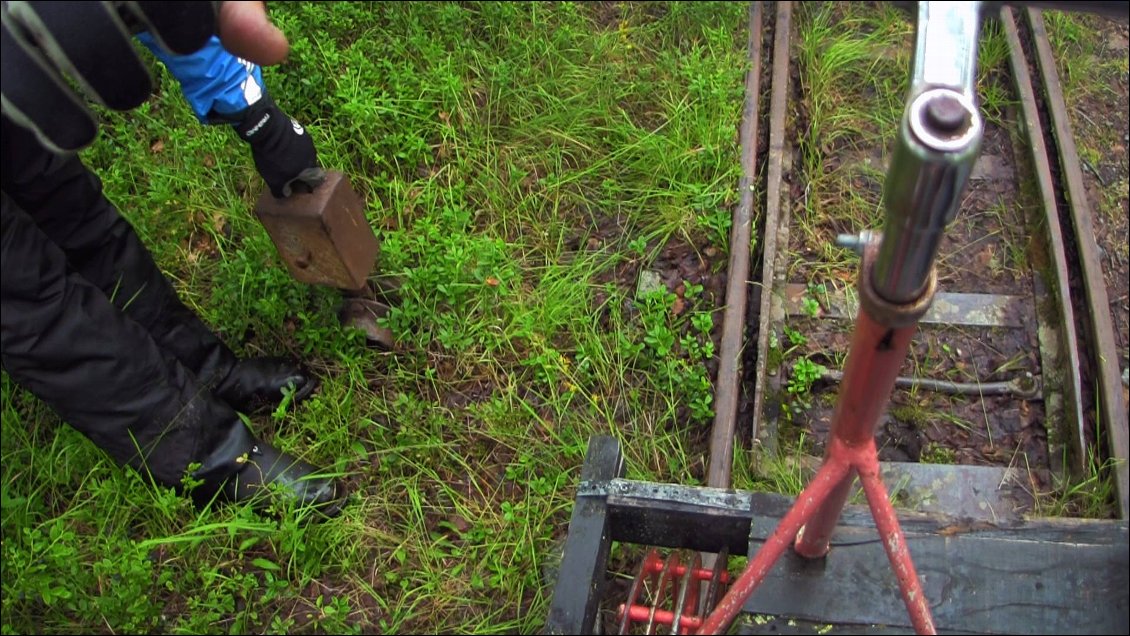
(853, 60)
(1093, 73)
(491, 142)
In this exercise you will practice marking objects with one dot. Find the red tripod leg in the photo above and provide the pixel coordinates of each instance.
(831, 474)
(894, 542)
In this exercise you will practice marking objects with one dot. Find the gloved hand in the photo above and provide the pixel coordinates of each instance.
(283, 151)
(90, 42)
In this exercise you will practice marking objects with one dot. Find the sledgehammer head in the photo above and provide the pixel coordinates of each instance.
(323, 236)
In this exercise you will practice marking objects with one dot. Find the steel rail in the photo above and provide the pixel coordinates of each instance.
(728, 383)
(1112, 415)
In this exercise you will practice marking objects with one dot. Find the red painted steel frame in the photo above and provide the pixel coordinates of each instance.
(876, 355)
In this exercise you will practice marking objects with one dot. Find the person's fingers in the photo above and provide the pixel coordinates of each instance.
(246, 32)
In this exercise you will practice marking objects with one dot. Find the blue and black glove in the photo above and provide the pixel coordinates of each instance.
(89, 42)
(283, 152)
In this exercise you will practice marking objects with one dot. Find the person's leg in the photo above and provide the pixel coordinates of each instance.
(64, 341)
(65, 200)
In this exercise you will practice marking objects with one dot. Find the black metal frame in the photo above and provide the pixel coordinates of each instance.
(610, 508)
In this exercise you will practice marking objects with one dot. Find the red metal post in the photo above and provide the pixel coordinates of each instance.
(886, 520)
(939, 140)
(833, 472)
(883, 332)
(876, 355)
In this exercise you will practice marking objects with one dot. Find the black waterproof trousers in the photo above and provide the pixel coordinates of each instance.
(91, 326)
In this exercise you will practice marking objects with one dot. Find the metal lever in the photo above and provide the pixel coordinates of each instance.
(938, 141)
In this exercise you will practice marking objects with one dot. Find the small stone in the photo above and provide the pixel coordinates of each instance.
(649, 281)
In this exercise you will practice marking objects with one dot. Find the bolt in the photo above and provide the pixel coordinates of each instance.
(945, 114)
(848, 241)
(855, 242)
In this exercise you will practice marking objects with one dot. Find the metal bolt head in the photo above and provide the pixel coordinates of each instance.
(848, 241)
(946, 115)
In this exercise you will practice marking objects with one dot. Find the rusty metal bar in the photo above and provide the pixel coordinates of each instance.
(776, 215)
(1025, 386)
(1112, 406)
(733, 321)
(323, 236)
(1118, 9)
(1073, 411)
(866, 462)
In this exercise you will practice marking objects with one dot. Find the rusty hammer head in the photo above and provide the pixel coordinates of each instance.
(323, 236)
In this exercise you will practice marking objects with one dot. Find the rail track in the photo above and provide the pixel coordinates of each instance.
(1011, 382)
(1018, 326)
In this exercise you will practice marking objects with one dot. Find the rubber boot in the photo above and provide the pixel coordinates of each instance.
(257, 384)
(245, 470)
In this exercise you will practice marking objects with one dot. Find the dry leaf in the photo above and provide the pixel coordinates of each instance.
(678, 306)
(460, 524)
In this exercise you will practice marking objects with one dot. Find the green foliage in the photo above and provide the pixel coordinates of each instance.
(52, 571)
(677, 362)
(810, 306)
(455, 284)
(933, 453)
(805, 373)
(853, 61)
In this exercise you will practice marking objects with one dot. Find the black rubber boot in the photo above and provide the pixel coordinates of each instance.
(243, 470)
(256, 384)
